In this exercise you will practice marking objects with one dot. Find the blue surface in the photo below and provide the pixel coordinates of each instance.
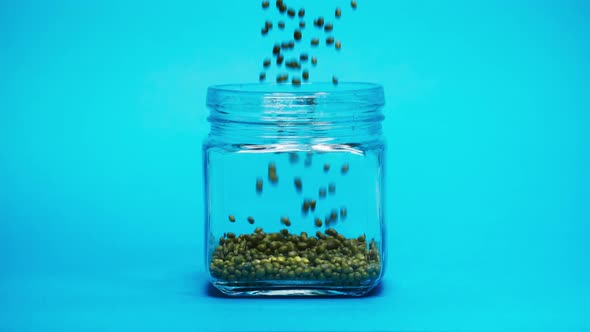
(102, 116)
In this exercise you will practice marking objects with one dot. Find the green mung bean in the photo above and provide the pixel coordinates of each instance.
(331, 232)
(318, 222)
(285, 221)
(319, 22)
(333, 216)
(345, 168)
(272, 169)
(298, 183)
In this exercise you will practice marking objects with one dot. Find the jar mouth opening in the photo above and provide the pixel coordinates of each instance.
(289, 90)
(311, 106)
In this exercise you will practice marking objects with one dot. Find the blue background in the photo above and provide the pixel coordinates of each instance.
(102, 116)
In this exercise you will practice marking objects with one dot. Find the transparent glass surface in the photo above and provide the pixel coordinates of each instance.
(294, 190)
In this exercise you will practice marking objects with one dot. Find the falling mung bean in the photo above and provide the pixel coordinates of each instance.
(345, 168)
(285, 221)
(334, 215)
(331, 188)
(293, 157)
(305, 207)
(298, 184)
(319, 22)
(312, 204)
(272, 169)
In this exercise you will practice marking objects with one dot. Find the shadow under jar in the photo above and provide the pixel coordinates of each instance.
(294, 189)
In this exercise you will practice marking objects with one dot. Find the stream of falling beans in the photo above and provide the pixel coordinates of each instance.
(297, 66)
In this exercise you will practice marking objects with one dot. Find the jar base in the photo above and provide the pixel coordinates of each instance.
(291, 290)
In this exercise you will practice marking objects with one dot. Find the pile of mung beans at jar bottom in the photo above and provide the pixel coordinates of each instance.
(296, 64)
(326, 256)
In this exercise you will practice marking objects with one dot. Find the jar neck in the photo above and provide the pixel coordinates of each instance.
(282, 114)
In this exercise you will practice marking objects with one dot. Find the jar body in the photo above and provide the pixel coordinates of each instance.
(294, 215)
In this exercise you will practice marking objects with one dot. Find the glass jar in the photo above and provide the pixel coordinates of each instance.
(294, 189)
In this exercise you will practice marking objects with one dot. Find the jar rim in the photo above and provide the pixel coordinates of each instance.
(288, 90)
(319, 111)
